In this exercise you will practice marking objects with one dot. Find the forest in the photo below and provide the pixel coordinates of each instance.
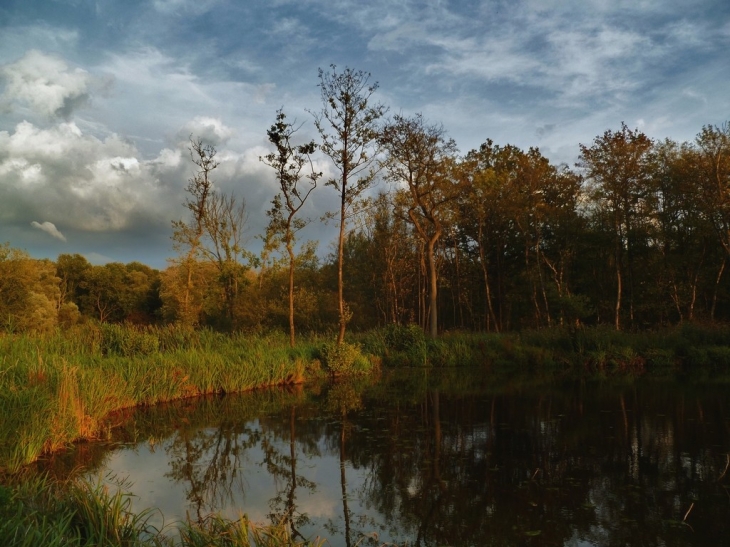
(635, 235)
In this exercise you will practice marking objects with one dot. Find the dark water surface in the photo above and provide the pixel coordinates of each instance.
(430, 461)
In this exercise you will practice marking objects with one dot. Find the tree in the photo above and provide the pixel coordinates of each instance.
(289, 161)
(187, 235)
(214, 233)
(686, 240)
(29, 292)
(73, 270)
(421, 157)
(479, 207)
(617, 164)
(714, 161)
(347, 125)
(225, 221)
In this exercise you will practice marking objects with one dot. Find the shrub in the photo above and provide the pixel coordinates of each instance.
(344, 359)
(405, 337)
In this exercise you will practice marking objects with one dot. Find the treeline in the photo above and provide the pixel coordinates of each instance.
(636, 235)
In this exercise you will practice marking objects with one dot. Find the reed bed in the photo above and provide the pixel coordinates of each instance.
(59, 388)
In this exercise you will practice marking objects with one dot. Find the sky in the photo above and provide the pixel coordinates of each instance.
(98, 98)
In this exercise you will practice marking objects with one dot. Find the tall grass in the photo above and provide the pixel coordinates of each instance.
(62, 387)
(690, 350)
(38, 511)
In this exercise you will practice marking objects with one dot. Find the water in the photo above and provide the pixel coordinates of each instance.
(429, 461)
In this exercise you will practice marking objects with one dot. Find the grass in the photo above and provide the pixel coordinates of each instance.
(38, 511)
(691, 350)
(63, 387)
(60, 388)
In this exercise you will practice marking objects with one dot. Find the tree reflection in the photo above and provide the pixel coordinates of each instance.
(342, 398)
(282, 466)
(549, 469)
(208, 460)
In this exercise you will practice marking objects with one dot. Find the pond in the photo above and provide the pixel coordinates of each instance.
(423, 459)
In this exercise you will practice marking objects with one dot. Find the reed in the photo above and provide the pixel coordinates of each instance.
(39, 511)
(62, 387)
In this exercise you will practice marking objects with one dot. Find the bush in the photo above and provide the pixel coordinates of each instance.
(405, 337)
(344, 359)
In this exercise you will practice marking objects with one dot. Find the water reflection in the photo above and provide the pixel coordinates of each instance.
(429, 462)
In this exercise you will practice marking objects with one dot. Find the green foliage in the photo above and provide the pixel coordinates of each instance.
(127, 341)
(29, 291)
(344, 359)
(404, 337)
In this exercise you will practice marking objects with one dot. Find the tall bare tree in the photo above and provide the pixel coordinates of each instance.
(348, 128)
(213, 233)
(225, 221)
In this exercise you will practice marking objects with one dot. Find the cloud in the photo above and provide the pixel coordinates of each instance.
(211, 130)
(88, 184)
(104, 186)
(46, 84)
(49, 228)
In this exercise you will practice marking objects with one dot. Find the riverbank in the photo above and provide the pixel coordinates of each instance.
(60, 388)
(689, 351)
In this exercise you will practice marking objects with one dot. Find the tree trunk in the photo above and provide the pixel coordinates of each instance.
(482, 260)
(619, 286)
(433, 285)
(340, 282)
(714, 294)
(291, 293)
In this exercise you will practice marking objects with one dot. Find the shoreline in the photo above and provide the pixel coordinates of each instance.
(64, 388)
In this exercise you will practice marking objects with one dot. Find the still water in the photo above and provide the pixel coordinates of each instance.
(424, 460)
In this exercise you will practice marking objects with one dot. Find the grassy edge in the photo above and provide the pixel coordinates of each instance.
(64, 387)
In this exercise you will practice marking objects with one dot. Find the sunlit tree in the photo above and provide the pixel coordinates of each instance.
(348, 129)
(617, 166)
(289, 161)
(421, 158)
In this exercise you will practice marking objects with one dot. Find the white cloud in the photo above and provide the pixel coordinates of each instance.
(49, 228)
(170, 100)
(211, 130)
(88, 184)
(45, 83)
